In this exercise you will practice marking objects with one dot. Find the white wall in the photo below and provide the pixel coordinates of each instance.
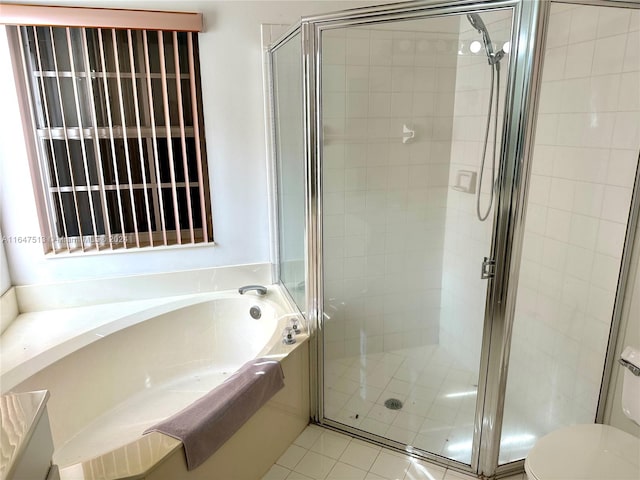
(231, 63)
(5, 278)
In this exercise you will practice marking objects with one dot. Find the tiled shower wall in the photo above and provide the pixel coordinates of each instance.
(467, 239)
(584, 165)
(384, 200)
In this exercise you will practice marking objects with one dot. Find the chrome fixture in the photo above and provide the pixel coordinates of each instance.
(288, 336)
(632, 368)
(294, 323)
(494, 62)
(393, 404)
(477, 23)
(255, 312)
(488, 269)
(258, 288)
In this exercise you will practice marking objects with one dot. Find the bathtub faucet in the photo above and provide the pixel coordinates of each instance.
(258, 288)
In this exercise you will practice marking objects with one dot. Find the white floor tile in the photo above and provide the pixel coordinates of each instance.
(291, 456)
(369, 393)
(335, 456)
(419, 470)
(424, 394)
(373, 476)
(433, 441)
(345, 385)
(342, 471)
(357, 404)
(416, 407)
(399, 386)
(444, 413)
(390, 466)
(330, 444)
(408, 421)
(348, 417)
(308, 437)
(276, 472)
(424, 378)
(298, 476)
(359, 455)
(401, 435)
(315, 465)
(382, 414)
(517, 476)
(379, 381)
(397, 454)
(453, 475)
(373, 426)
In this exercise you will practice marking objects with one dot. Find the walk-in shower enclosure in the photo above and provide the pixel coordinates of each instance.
(456, 188)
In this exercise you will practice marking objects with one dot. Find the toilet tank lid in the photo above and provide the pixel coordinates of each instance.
(585, 452)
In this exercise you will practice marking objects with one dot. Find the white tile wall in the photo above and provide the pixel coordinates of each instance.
(384, 200)
(584, 164)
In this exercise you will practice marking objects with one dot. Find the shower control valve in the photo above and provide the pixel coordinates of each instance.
(294, 324)
(289, 336)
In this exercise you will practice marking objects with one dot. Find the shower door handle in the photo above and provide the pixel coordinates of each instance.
(488, 268)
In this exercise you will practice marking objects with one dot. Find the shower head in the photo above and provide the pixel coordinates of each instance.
(477, 23)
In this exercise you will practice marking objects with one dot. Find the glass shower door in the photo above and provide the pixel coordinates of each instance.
(404, 127)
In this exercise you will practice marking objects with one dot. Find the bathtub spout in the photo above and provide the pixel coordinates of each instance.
(258, 288)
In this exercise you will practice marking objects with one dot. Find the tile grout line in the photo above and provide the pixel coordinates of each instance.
(378, 456)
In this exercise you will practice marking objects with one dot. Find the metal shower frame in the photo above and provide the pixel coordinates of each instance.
(529, 29)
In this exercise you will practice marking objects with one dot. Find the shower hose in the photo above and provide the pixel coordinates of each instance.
(495, 81)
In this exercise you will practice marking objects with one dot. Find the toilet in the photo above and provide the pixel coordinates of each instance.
(594, 451)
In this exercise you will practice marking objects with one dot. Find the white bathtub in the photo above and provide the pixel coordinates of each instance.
(120, 368)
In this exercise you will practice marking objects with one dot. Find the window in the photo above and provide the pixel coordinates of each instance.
(117, 120)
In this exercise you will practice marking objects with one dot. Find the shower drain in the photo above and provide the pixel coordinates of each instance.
(393, 404)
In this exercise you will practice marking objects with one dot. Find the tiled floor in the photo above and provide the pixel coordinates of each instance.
(438, 395)
(321, 454)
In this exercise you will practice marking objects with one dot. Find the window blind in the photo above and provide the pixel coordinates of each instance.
(117, 118)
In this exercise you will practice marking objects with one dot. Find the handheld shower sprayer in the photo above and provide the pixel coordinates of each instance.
(476, 22)
(493, 58)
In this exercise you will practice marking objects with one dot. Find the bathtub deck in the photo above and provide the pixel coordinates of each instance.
(36, 340)
(125, 422)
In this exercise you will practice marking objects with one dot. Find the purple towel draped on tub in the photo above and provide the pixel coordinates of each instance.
(207, 423)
